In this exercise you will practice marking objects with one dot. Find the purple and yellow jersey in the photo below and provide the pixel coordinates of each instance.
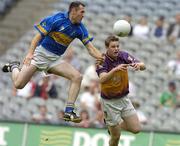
(58, 32)
(118, 85)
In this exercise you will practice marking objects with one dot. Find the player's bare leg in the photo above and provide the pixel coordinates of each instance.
(21, 76)
(115, 133)
(68, 71)
(131, 123)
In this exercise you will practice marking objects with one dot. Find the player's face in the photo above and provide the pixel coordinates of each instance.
(113, 49)
(78, 14)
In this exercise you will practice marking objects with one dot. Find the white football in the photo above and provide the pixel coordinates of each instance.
(121, 28)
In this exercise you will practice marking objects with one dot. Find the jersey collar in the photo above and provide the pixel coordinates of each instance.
(110, 58)
(67, 15)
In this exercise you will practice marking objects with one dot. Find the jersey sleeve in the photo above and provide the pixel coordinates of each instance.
(84, 35)
(102, 69)
(129, 58)
(45, 26)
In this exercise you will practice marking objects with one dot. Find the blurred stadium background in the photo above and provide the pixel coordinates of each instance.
(17, 18)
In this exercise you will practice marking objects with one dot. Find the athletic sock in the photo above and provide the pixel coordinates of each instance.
(69, 108)
(13, 67)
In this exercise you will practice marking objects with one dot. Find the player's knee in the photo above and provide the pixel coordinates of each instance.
(78, 77)
(18, 85)
(136, 130)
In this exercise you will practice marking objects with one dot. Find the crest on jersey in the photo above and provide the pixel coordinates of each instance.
(61, 28)
(44, 24)
(130, 58)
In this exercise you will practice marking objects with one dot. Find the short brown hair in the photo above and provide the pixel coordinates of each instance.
(75, 4)
(109, 39)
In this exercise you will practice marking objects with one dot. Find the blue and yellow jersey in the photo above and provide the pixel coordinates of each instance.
(118, 85)
(58, 32)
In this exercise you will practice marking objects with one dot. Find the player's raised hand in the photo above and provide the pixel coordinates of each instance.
(135, 66)
(100, 60)
(27, 59)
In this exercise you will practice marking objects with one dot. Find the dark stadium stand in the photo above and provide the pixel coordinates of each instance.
(5, 5)
(14, 24)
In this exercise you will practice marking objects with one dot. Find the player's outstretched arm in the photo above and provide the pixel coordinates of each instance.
(32, 47)
(106, 76)
(138, 66)
(94, 52)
